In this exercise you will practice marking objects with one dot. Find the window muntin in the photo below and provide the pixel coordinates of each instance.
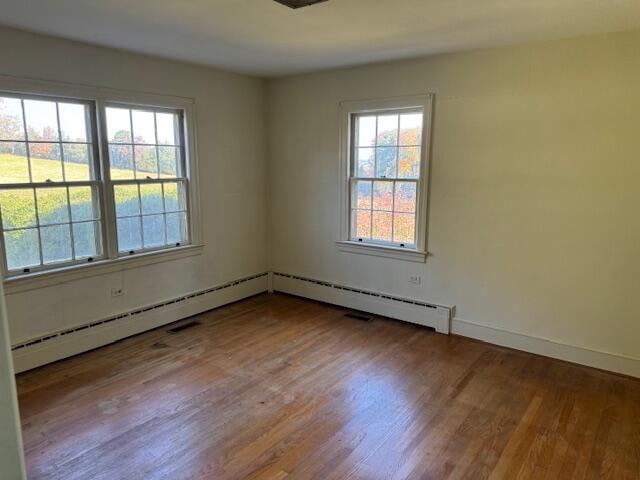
(385, 179)
(49, 192)
(147, 170)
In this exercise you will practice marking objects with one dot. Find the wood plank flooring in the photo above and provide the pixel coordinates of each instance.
(277, 387)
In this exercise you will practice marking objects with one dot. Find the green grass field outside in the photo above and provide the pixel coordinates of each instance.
(18, 207)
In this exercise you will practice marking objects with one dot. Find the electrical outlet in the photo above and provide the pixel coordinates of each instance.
(415, 279)
(117, 292)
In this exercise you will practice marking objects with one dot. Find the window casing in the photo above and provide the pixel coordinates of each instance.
(385, 163)
(64, 203)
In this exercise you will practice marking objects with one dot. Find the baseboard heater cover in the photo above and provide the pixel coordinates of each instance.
(71, 341)
(64, 343)
(400, 308)
(443, 319)
(168, 307)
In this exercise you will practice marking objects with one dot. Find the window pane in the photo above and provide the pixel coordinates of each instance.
(22, 248)
(173, 197)
(129, 234)
(409, 162)
(151, 198)
(17, 208)
(176, 228)
(364, 162)
(405, 197)
(386, 162)
(73, 122)
(167, 129)
(46, 163)
(144, 129)
(118, 125)
(121, 162)
(82, 206)
(11, 121)
(14, 165)
(366, 131)
(77, 161)
(383, 196)
(56, 243)
(42, 120)
(146, 163)
(362, 222)
(153, 229)
(387, 130)
(362, 194)
(411, 129)
(381, 226)
(404, 228)
(168, 157)
(52, 205)
(86, 238)
(126, 199)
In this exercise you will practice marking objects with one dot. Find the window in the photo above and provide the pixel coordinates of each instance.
(386, 162)
(49, 199)
(147, 177)
(63, 202)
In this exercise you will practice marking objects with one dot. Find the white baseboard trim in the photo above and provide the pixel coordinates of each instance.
(593, 358)
(59, 345)
(414, 311)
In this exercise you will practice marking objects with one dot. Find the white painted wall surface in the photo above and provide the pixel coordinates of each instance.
(533, 229)
(11, 459)
(534, 224)
(232, 166)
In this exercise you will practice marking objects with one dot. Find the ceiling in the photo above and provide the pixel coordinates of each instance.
(265, 38)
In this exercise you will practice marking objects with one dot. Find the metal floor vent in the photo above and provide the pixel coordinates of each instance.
(357, 290)
(183, 326)
(298, 3)
(133, 313)
(359, 316)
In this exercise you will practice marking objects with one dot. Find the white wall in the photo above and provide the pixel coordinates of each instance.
(533, 229)
(232, 165)
(534, 224)
(11, 460)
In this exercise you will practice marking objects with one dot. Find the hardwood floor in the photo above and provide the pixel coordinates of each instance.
(278, 387)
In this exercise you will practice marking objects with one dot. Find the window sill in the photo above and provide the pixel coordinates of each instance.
(382, 251)
(32, 281)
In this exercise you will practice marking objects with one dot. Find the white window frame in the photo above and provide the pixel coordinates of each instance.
(111, 260)
(110, 184)
(348, 110)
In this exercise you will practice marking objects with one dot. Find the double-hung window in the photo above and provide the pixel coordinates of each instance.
(90, 180)
(147, 176)
(49, 187)
(385, 151)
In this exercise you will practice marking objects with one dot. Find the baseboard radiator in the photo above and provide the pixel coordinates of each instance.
(54, 346)
(431, 315)
(444, 320)
(64, 343)
(61, 344)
